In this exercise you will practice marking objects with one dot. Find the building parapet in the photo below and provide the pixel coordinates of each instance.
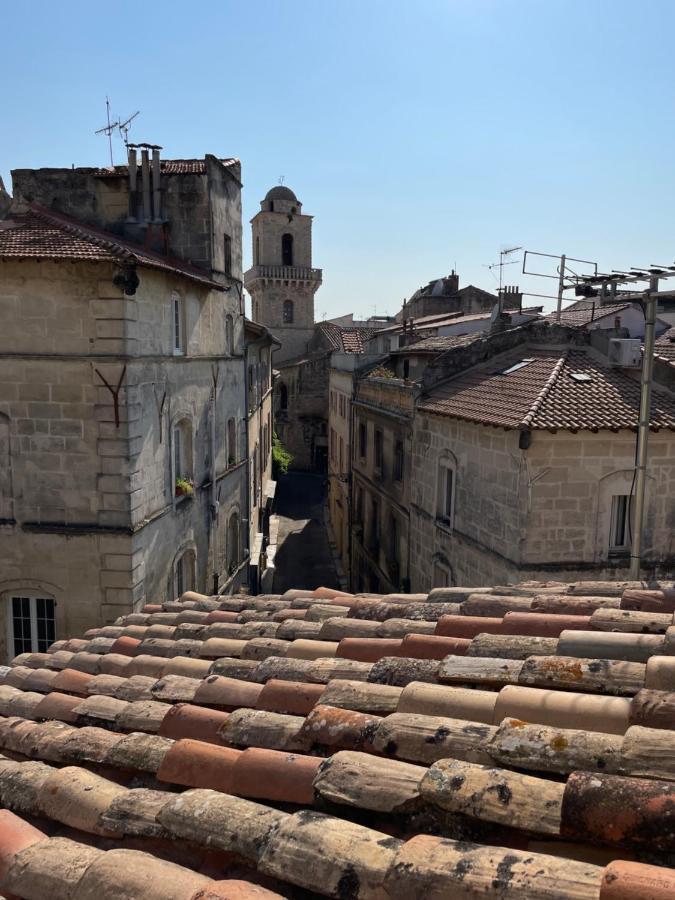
(283, 273)
(390, 394)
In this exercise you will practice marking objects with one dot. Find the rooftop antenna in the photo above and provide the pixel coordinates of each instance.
(281, 179)
(507, 251)
(111, 126)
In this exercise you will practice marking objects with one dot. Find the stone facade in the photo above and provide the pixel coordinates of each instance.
(383, 421)
(259, 346)
(340, 389)
(301, 411)
(536, 513)
(89, 511)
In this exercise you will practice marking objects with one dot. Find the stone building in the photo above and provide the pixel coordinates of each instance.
(444, 295)
(122, 404)
(344, 370)
(281, 281)
(259, 347)
(521, 459)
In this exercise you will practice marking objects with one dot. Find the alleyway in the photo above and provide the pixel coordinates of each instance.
(303, 558)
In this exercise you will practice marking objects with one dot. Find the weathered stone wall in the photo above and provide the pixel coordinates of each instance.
(539, 513)
(303, 426)
(339, 424)
(268, 229)
(386, 405)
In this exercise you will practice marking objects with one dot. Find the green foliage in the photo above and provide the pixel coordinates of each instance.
(281, 458)
(184, 487)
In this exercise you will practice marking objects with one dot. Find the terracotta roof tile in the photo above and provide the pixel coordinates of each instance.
(44, 234)
(346, 338)
(583, 312)
(540, 392)
(400, 744)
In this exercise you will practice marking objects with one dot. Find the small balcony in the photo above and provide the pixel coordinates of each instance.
(283, 273)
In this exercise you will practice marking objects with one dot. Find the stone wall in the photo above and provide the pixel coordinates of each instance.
(303, 425)
(339, 470)
(540, 513)
(268, 229)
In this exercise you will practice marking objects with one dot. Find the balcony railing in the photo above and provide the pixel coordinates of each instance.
(285, 273)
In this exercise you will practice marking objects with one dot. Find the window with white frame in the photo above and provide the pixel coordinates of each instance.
(178, 324)
(184, 573)
(445, 492)
(31, 623)
(619, 523)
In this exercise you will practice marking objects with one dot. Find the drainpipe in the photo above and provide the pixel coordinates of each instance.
(214, 491)
(643, 428)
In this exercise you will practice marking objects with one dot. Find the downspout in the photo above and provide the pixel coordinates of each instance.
(214, 492)
(248, 457)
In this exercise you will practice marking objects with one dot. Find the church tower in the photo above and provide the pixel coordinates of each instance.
(281, 281)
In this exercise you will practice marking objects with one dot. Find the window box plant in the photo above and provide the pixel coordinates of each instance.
(184, 487)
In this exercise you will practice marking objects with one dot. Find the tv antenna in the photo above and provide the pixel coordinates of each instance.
(281, 179)
(504, 262)
(123, 127)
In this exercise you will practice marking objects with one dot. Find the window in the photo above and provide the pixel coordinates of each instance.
(363, 440)
(288, 312)
(233, 549)
(619, 528)
(393, 539)
(287, 250)
(342, 457)
(379, 449)
(178, 324)
(445, 492)
(398, 461)
(283, 396)
(182, 457)
(184, 575)
(227, 254)
(229, 334)
(406, 369)
(516, 366)
(231, 442)
(332, 445)
(257, 251)
(31, 626)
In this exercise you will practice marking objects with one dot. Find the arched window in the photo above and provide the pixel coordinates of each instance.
(233, 540)
(288, 311)
(445, 491)
(184, 572)
(229, 334)
(182, 458)
(283, 396)
(30, 622)
(286, 249)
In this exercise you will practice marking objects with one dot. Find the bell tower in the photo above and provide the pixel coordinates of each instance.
(281, 281)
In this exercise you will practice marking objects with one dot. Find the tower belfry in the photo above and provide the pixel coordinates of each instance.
(281, 281)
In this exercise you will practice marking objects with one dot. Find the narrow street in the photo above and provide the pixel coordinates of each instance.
(303, 558)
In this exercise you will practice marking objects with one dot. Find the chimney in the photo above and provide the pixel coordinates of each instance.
(133, 177)
(156, 185)
(145, 176)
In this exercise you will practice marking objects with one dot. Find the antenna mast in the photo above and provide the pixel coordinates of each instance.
(123, 127)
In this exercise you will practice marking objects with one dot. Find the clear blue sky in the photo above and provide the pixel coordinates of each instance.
(419, 135)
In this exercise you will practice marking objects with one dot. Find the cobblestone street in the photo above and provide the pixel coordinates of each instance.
(303, 558)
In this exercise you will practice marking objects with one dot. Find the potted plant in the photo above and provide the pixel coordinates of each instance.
(184, 487)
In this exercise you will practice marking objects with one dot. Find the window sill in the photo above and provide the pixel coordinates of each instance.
(181, 498)
(444, 526)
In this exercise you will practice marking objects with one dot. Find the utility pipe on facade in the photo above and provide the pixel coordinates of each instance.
(643, 428)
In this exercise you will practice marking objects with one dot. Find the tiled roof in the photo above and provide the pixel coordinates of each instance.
(583, 312)
(469, 742)
(347, 339)
(665, 346)
(172, 167)
(440, 343)
(543, 394)
(44, 234)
